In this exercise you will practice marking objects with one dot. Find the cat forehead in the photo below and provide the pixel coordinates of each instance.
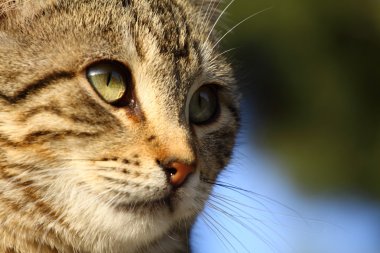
(159, 30)
(165, 40)
(170, 23)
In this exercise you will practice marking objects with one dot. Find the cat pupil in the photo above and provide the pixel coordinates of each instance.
(109, 76)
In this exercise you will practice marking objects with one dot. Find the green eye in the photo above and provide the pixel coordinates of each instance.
(203, 105)
(110, 80)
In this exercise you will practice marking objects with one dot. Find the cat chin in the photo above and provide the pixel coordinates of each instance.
(149, 225)
(137, 230)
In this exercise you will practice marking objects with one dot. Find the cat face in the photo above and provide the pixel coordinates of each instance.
(111, 114)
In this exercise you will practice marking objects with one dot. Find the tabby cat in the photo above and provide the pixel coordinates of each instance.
(115, 116)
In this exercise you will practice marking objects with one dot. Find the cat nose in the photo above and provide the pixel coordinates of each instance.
(177, 172)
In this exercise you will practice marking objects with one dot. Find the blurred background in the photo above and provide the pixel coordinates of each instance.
(305, 177)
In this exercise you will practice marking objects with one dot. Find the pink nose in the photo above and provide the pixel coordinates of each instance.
(178, 172)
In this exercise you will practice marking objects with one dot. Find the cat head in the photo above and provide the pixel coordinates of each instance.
(115, 116)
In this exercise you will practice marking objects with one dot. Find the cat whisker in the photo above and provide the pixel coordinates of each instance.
(224, 208)
(219, 17)
(226, 199)
(276, 215)
(229, 211)
(217, 233)
(110, 202)
(229, 203)
(212, 221)
(210, 11)
(249, 194)
(258, 232)
(238, 24)
(232, 212)
(84, 160)
(236, 211)
(221, 54)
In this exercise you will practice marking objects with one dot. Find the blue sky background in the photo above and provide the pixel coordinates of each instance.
(278, 218)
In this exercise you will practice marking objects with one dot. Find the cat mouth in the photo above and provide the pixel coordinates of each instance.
(165, 203)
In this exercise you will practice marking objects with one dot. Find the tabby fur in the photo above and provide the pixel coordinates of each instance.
(79, 175)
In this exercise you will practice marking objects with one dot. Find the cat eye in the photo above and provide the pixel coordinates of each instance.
(111, 80)
(204, 105)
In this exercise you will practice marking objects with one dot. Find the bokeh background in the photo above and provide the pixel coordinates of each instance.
(308, 156)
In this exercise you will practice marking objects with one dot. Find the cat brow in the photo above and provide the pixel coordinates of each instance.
(37, 86)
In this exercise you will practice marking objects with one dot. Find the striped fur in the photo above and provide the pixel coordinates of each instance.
(79, 175)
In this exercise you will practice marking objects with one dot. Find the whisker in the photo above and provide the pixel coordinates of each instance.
(261, 234)
(267, 209)
(187, 236)
(250, 219)
(221, 54)
(209, 12)
(216, 233)
(208, 217)
(245, 193)
(217, 200)
(217, 20)
(226, 199)
(238, 24)
(275, 215)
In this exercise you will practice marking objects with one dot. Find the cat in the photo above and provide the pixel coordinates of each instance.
(115, 116)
